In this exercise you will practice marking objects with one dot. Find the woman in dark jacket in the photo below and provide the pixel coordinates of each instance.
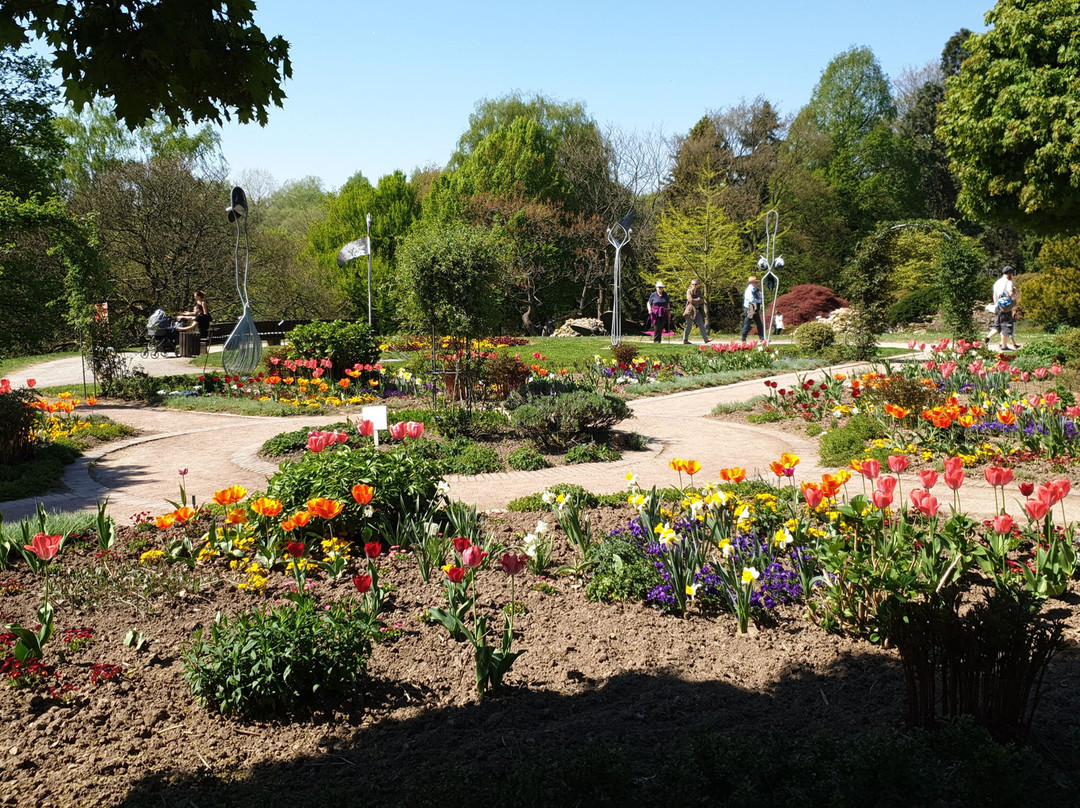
(659, 311)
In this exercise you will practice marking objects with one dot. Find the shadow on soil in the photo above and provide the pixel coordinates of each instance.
(655, 739)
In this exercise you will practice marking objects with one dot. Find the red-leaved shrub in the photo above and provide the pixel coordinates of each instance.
(805, 303)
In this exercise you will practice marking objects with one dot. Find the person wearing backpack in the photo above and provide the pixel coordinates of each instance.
(1005, 298)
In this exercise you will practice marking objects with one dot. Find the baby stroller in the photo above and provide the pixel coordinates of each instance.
(161, 336)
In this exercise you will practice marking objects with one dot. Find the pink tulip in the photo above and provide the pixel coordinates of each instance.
(473, 556)
(1036, 508)
(928, 477)
(316, 442)
(182, 472)
(953, 464)
(897, 463)
(397, 431)
(871, 468)
(414, 429)
(881, 499)
(1055, 370)
(918, 495)
(366, 429)
(1003, 523)
(1040, 373)
(341, 437)
(1063, 486)
(998, 477)
(887, 484)
(1073, 412)
(1025, 376)
(1051, 399)
(813, 496)
(1048, 493)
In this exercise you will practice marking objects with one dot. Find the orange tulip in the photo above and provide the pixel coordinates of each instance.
(236, 517)
(733, 475)
(1007, 417)
(288, 525)
(780, 470)
(301, 518)
(324, 508)
(230, 495)
(677, 464)
(165, 522)
(91, 401)
(691, 467)
(265, 506)
(362, 493)
(896, 411)
(183, 515)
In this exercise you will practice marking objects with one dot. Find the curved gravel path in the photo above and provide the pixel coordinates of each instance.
(218, 450)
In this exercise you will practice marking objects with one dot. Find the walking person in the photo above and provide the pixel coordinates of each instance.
(658, 310)
(1005, 298)
(751, 303)
(694, 313)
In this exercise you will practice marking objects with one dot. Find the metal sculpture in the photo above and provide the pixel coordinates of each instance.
(243, 348)
(768, 264)
(618, 242)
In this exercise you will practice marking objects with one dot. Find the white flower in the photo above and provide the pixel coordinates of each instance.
(442, 489)
(631, 479)
(432, 529)
(541, 527)
(696, 508)
(368, 511)
(529, 545)
(548, 498)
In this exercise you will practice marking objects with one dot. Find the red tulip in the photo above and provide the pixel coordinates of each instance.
(928, 477)
(953, 464)
(44, 546)
(414, 429)
(316, 442)
(31, 382)
(461, 544)
(372, 549)
(1003, 523)
(362, 583)
(898, 463)
(1048, 494)
(366, 429)
(871, 468)
(295, 549)
(1036, 508)
(998, 477)
(928, 506)
(886, 484)
(954, 477)
(397, 431)
(513, 564)
(813, 495)
(918, 495)
(455, 574)
(881, 499)
(473, 556)
(1026, 489)
(1063, 486)
(339, 437)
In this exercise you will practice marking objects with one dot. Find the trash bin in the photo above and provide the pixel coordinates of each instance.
(189, 343)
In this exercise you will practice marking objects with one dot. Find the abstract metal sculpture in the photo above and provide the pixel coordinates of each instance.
(618, 242)
(768, 263)
(243, 348)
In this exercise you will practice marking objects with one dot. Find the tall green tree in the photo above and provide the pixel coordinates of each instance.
(30, 149)
(1011, 121)
(195, 60)
(698, 240)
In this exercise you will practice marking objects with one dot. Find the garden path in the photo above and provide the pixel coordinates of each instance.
(218, 450)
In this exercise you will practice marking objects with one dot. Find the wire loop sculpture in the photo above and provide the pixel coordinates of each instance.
(768, 264)
(243, 348)
(618, 235)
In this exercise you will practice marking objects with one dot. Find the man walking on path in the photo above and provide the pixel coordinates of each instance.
(751, 304)
(1005, 299)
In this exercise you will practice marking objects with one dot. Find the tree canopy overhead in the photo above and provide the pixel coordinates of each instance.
(1011, 118)
(195, 60)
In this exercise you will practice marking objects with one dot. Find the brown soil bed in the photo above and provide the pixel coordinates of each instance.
(594, 677)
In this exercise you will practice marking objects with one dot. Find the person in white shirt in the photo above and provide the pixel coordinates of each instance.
(1005, 298)
(751, 304)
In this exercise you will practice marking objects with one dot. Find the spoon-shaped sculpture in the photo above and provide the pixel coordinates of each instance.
(243, 348)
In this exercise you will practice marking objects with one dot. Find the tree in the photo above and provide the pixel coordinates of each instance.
(451, 271)
(852, 97)
(559, 121)
(1010, 120)
(1053, 296)
(30, 149)
(698, 240)
(164, 235)
(50, 274)
(97, 141)
(195, 60)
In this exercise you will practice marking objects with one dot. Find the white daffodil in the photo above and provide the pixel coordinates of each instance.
(749, 575)
(548, 498)
(541, 527)
(432, 529)
(442, 489)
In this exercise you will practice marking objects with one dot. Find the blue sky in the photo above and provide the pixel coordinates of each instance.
(384, 86)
